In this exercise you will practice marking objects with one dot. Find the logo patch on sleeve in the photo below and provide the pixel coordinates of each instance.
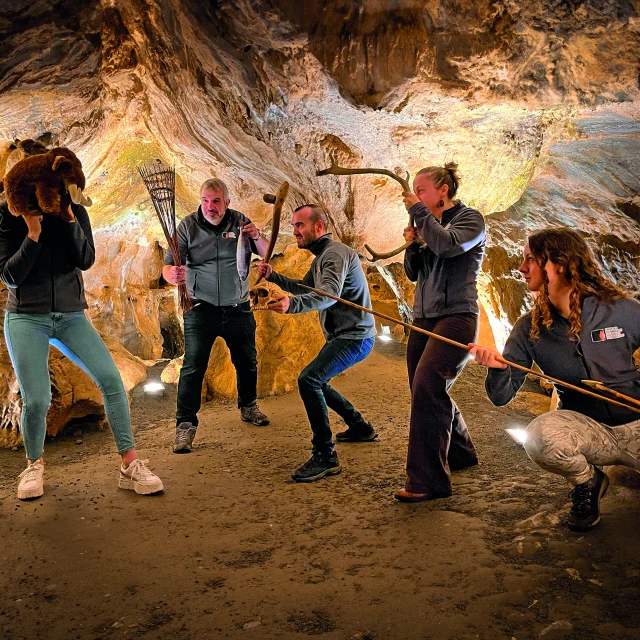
(608, 333)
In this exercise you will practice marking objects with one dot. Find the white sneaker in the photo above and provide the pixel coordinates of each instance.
(139, 479)
(32, 483)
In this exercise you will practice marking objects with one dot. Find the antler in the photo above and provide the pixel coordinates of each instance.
(277, 201)
(336, 170)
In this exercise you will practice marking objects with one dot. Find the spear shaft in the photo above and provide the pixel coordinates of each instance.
(437, 336)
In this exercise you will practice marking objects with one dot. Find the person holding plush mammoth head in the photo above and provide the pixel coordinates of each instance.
(41, 262)
(446, 302)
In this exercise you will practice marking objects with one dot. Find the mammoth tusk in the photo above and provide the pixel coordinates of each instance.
(85, 201)
(75, 193)
(336, 170)
(277, 201)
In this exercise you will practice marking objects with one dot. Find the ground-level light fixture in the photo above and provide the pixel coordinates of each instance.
(385, 333)
(519, 435)
(154, 389)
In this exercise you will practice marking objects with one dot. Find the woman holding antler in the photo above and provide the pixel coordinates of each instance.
(581, 327)
(446, 303)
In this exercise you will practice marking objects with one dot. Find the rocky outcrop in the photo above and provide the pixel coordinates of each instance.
(547, 51)
(124, 294)
(582, 183)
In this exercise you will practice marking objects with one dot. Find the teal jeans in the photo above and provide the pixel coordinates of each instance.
(28, 337)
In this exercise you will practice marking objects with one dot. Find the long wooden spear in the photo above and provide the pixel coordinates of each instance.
(437, 336)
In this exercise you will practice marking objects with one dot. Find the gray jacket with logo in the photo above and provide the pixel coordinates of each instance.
(335, 269)
(609, 336)
(447, 268)
(209, 253)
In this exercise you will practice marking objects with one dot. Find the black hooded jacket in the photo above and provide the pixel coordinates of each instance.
(45, 276)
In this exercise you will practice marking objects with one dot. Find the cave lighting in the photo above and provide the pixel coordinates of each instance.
(154, 389)
(519, 435)
(385, 333)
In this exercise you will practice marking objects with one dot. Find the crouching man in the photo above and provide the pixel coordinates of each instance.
(349, 333)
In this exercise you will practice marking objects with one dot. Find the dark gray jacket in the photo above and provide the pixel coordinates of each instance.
(609, 336)
(447, 268)
(45, 276)
(209, 253)
(335, 269)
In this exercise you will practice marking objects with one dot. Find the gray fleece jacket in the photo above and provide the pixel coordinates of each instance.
(447, 268)
(609, 336)
(335, 269)
(209, 253)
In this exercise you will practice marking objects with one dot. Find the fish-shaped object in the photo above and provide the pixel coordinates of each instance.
(243, 255)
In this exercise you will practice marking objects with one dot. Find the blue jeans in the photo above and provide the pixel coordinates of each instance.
(335, 357)
(28, 337)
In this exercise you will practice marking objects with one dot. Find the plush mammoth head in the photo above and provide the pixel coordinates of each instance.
(46, 183)
(264, 293)
(68, 169)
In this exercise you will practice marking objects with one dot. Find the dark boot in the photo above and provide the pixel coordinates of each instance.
(185, 433)
(253, 415)
(318, 466)
(585, 512)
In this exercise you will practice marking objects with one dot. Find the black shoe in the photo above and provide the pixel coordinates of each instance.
(254, 415)
(185, 433)
(585, 512)
(365, 433)
(316, 467)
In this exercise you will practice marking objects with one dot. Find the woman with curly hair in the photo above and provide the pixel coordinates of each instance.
(445, 266)
(582, 326)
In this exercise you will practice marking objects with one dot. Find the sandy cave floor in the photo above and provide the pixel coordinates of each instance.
(235, 549)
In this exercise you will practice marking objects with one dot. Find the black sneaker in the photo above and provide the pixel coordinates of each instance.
(316, 467)
(185, 433)
(585, 512)
(253, 415)
(364, 433)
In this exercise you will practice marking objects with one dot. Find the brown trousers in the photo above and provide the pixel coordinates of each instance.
(438, 436)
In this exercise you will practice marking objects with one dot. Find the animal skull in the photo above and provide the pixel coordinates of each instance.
(264, 293)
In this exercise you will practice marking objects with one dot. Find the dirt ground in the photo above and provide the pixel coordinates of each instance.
(234, 549)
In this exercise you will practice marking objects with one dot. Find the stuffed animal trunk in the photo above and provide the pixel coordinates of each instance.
(52, 180)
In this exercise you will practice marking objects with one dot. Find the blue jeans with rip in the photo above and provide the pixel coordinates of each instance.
(28, 336)
(335, 357)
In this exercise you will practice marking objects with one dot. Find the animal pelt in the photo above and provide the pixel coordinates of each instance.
(54, 178)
